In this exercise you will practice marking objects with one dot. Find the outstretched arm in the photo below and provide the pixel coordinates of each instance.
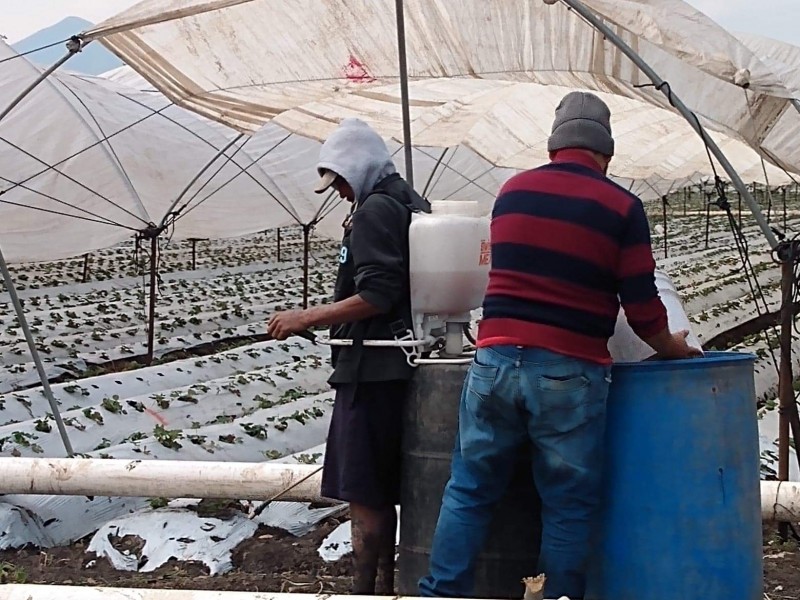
(284, 324)
(377, 249)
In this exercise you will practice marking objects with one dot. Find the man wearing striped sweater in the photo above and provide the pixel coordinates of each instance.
(568, 245)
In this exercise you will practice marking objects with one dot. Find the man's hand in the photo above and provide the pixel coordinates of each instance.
(673, 345)
(284, 324)
(678, 347)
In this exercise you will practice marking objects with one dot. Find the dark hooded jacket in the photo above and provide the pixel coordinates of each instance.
(374, 257)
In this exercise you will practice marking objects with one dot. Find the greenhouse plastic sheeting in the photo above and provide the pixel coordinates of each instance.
(508, 124)
(88, 163)
(782, 58)
(216, 57)
(65, 191)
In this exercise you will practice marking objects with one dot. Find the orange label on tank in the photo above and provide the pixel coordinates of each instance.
(486, 253)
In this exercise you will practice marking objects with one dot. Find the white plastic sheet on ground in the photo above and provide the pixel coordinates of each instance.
(339, 543)
(216, 57)
(184, 535)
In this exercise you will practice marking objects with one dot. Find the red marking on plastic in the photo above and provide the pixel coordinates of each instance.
(357, 72)
(156, 416)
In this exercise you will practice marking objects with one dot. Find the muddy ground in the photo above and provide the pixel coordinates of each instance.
(274, 561)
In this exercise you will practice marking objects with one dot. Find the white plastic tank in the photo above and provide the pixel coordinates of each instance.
(626, 346)
(450, 258)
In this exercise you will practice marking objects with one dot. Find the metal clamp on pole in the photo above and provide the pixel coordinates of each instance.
(74, 45)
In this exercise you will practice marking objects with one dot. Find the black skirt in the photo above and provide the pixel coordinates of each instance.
(363, 452)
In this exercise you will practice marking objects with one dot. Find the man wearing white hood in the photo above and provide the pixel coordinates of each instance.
(371, 302)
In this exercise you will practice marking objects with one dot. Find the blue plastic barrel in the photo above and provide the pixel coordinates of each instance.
(682, 517)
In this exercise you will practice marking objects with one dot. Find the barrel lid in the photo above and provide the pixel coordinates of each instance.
(708, 360)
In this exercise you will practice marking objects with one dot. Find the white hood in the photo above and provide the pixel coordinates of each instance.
(358, 154)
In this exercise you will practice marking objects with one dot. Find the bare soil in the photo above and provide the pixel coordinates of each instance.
(275, 561)
(271, 561)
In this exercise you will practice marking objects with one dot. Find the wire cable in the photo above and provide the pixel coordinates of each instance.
(21, 54)
(73, 180)
(100, 219)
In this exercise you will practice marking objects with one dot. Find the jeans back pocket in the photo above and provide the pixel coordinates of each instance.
(564, 401)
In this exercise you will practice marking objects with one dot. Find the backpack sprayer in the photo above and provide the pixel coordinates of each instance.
(449, 261)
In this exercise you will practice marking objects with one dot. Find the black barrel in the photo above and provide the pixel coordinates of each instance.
(431, 422)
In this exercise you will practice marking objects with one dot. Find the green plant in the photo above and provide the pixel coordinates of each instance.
(156, 503)
(168, 437)
(92, 414)
(309, 459)
(253, 430)
(10, 573)
(112, 404)
(43, 425)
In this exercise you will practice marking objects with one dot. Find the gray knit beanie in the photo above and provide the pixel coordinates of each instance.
(582, 121)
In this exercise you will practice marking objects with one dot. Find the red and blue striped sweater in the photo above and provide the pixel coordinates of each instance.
(567, 245)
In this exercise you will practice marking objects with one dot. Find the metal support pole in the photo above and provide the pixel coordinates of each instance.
(769, 207)
(37, 360)
(708, 221)
(664, 204)
(279, 244)
(193, 241)
(785, 216)
(785, 389)
(690, 117)
(74, 46)
(306, 251)
(151, 320)
(85, 268)
(738, 193)
(401, 51)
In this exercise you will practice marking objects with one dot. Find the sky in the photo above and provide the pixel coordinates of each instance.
(773, 18)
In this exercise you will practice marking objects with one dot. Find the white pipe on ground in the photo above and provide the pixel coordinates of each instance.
(158, 478)
(48, 592)
(780, 501)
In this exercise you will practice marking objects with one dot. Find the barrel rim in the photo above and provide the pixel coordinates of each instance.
(708, 359)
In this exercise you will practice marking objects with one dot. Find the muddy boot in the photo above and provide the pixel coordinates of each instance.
(384, 585)
(366, 551)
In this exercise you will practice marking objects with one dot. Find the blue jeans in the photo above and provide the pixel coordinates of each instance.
(513, 396)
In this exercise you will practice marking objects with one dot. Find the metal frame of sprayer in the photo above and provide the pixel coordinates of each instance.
(431, 333)
(440, 333)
